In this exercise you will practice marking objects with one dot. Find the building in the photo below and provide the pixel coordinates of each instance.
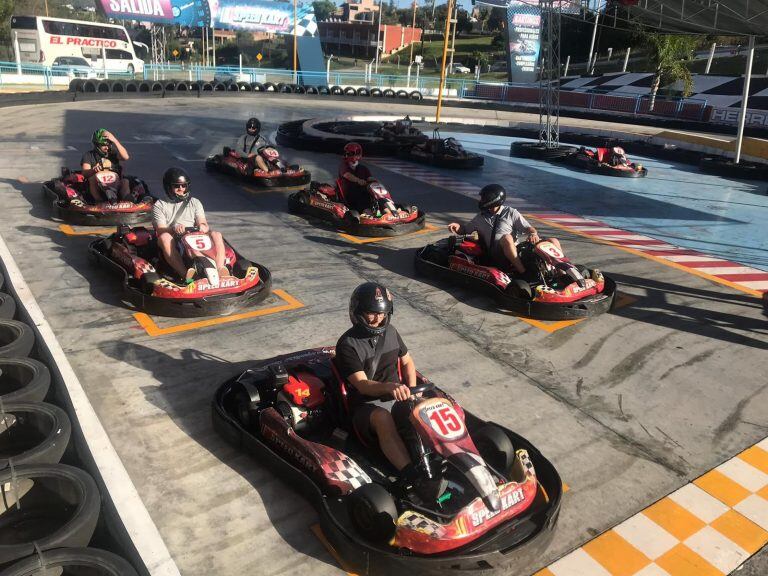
(359, 11)
(358, 39)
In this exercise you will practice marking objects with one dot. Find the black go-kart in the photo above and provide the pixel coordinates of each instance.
(552, 288)
(74, 204)
(596, 161)
(442, 152)
(280, 175)
(152, 286)
(484, 497)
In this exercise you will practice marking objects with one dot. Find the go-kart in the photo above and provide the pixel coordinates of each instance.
(596, 161)
(154, 287)
(402, 132)
(280, 175)
(443, 152)
(327, 202)
(552, 287)
(73, 202)
(492, 498)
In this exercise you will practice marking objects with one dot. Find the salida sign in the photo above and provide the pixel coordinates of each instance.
(151, 9)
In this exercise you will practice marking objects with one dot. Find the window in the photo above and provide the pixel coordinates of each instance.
(24, 22)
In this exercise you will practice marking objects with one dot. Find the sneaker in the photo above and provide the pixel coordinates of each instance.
(189, 277)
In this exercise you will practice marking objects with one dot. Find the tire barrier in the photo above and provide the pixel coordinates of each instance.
(721, 166)
(89, 86)
(16, 339)
(539, 151)
(244, 87)
(299, 89)
(403, 94)
(183, 86)
(32, 433)
(103, 87)
(118, 86)
(58, 506)
(23, 380)
(323, 90)
(349, 91)
(285, 88)
(71, 561)
(389, 93)
(76, 85)
(207, 87)
(7, 306)
(269, 87)
(157, 87)
(257, 87)
(377, 93)
(170, 86)
(363, 92)
(232, 87)
(145, 87)
(312, 90)
(336, 90)
(417, 96)
(219, 87)
(131, 86)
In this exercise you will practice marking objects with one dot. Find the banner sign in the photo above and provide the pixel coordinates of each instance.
(249, 15)
(523, 25)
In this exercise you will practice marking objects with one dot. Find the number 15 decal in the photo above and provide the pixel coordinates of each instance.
(445, 422)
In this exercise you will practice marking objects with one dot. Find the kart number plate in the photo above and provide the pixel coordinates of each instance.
(378, 190)
(550, 249)
(200, 242)
(443, 420)
(106, 177)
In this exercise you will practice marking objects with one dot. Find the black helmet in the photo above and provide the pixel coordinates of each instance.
(370, 297)
(253, 126)
(175, 176)
(491, 196)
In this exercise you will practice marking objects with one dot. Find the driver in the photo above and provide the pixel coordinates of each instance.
(354, 178)
(618, 157)
(371, 356)
(501, 228)
(249, 145)
(173, 216)
(107, 153)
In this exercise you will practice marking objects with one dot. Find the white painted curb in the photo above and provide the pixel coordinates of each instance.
(130, 508)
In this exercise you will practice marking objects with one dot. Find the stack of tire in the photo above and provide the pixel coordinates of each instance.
(49, 510)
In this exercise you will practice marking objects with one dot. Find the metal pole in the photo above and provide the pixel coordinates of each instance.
(413, 29)
(593, 63)
(16, 51)
(594, 35)
(378, 37)
(213, 38)
(46, 8)
(445, 54)
(104, 63)
(745, 98)
(453, 38)
(626, 60)
(567, 63)
(408, 77)
(711, 57)
(295, 42)
(328, 70)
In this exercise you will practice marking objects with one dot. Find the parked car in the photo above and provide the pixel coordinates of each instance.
(73, 66)
(459, 68)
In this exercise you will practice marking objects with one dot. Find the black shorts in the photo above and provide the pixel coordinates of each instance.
(361, 418)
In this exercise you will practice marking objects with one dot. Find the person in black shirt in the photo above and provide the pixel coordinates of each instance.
(107, 153)
(354, 178)
(373, 358)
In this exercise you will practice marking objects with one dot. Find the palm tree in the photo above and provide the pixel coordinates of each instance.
(667, 55)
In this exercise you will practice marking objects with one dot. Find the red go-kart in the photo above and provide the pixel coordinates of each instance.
(74, 204)
(597, 161)
(553, 288)
(327, 203)
(152, 285)
(280, 175)
(493, 498)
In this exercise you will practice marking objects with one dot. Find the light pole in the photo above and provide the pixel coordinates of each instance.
(378, 37)
(445, 54)
(454, 21)
(295, 54)
(413, 29)
(594, 34)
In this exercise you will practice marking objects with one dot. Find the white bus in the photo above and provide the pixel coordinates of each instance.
(42, 40)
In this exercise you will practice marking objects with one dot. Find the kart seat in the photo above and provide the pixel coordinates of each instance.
(602, 154)
(471, 248)
(138, 237)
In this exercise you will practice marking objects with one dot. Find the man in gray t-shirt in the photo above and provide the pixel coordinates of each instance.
(500, 228)
(172, 217)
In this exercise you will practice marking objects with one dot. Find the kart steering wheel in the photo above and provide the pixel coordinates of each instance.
(425, 386)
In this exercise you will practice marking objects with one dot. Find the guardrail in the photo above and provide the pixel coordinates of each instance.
(51, 77)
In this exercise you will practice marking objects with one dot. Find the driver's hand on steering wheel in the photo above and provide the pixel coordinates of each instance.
(203, 227)
(400, 392)
(534, 237)
(179, 228)
(454, 227)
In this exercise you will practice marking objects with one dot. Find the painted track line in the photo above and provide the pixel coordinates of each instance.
(116, 481)
(732, 274)
(709, 527)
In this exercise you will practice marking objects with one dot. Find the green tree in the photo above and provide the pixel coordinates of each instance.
(6, 11)
(463, 25)
(667, 55)
(324, 9)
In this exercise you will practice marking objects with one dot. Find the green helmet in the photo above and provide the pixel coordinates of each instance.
(98, 138)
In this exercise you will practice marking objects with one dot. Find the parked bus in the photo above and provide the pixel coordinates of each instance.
(41, 40)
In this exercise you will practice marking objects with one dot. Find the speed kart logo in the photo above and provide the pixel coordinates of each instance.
(507, 501)
(471, 270)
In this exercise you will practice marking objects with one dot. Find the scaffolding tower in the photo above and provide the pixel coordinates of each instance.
(157, 34)
(549, 74)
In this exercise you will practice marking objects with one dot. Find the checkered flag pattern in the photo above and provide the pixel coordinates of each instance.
(306, 23)
(419, 523)
(340, 467)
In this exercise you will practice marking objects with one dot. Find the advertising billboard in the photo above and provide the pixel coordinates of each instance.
(250, 15)
(524, 29)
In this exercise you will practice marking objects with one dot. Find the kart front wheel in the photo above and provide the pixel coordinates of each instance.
(495, 447)
(373, 512)
(148, 281)
(519, 289)
(241, 266)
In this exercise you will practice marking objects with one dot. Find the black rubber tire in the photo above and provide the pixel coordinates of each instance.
(336, 90)
(538, 151)
(373, 512)
(74, 561)
(376, 93)
(170, 86)
(323, 90)
(495, 447)
(148, 281)
(312, 90)
(285, 88)
(103, 86)
(131, 86)
(403, 94)
(183, 86)
(257, 87)
(363, 91)
(118, 86)
(39, 435)
(62, 495)
(518, 288)
(299, 89)
(2, 281)
(23, 380)
(349, 91)
(7, 306)
(76, 84)
(244, 86)
(416, 95)
(721, 166)
(16, 339)
(269, 87)
(389, 93)
(156, 87)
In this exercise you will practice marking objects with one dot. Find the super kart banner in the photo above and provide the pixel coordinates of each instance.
(248, 15)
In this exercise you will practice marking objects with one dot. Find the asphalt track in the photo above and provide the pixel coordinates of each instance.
(629, 406)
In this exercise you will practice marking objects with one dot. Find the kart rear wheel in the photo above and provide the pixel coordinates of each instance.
(519, 289)
(495, 447)
(352, 216)
(373, 512)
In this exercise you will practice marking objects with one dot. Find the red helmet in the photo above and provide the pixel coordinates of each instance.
(353, 152)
